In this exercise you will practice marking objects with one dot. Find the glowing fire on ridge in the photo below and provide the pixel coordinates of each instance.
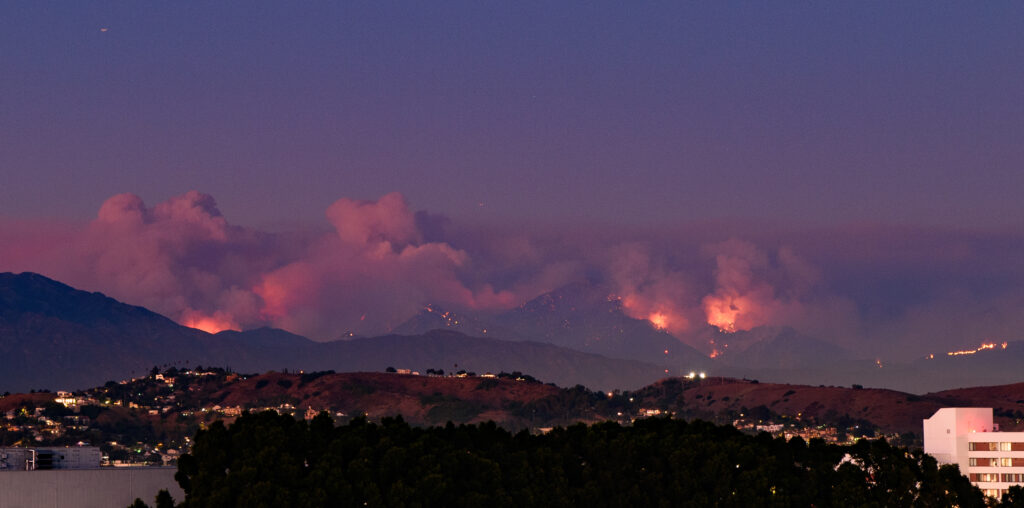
(982, 347)
(661, 314)
(722, 312)
(659, 320)
(209, 324)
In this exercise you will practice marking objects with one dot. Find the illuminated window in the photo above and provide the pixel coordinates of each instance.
(1005, 462)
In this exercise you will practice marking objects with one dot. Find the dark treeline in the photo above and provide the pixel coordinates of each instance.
(266, 460)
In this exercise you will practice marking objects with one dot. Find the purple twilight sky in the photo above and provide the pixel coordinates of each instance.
(850, 169)
(636, 112)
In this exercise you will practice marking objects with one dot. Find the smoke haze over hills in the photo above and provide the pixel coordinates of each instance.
(876, 290)
(848, 172)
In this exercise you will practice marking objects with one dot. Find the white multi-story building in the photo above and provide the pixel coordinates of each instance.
(967, 437)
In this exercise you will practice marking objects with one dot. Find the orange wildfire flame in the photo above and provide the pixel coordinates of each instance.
(662, 315)
(722, 312)
(982, 347)
(659, 320)
(209, 324)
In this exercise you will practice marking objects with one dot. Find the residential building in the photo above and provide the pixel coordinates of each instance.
(967, 437)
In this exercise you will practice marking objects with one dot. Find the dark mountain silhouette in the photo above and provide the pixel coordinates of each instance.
(433, 317)
(582, 316)
(785, 348)
(54, 336)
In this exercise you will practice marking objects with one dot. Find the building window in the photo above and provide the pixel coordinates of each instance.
(982, 447)
(984, 462)
(1005, 462)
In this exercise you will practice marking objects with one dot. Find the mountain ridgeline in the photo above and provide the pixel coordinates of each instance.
(54, 336)
(582, 316)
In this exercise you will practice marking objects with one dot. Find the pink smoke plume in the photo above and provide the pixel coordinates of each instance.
(180, 258)
(373, 273)
(745, 294)
(376, 268)
(649, 289)
(183, 259)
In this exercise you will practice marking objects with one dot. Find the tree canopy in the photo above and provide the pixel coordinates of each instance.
(270, 460)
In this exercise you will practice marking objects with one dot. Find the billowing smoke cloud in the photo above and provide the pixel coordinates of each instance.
(180, 258)
(183, 259)
(374, 273)
(651, 290)
(379, 262)
(746, 294)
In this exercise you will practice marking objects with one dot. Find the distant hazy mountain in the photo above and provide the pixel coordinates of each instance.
(54, 336)
(433, 317)
(943, 372)
(785, 348)
(583, 316)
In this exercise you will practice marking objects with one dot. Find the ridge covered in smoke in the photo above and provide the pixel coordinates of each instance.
(898, 290)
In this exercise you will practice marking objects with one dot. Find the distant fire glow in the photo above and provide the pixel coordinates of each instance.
(209, 324)
(659, 320)
(663, 314)
(722, 313)
(983, 346)
(449, 318)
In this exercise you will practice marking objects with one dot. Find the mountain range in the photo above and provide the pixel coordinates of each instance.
(582, 316)
(55, 336)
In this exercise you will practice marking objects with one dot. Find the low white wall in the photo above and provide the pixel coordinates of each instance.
(86, 488)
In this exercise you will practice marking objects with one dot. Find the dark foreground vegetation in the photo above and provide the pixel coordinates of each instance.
(270, 460)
